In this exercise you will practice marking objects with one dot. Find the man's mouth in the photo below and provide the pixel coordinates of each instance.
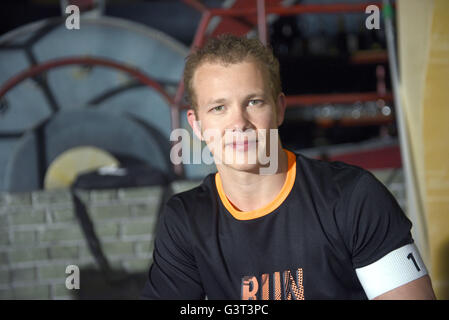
(242, 145)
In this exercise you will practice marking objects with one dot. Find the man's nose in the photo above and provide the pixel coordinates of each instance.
(239, 119)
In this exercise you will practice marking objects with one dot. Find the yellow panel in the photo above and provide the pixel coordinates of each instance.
(413, 20)
(65, 168)
(414, 24)
(436, 146)
(424, 65)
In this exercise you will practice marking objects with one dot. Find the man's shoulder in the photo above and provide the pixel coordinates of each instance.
(188, 201)
(327, 174)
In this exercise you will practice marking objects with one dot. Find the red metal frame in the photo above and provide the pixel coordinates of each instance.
(240, 25)
(51, 64)
(296, 9)
(260, 10)
(262, 21)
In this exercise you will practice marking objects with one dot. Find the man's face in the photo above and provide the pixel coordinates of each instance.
(236, 111)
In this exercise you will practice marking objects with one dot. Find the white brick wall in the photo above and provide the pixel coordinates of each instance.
(40, 236)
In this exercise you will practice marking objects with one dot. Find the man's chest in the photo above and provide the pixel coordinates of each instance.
(280, 258)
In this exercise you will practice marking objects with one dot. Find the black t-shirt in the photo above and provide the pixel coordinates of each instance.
(328, 220)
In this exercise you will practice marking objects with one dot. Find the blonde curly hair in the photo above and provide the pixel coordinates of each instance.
(231, 49)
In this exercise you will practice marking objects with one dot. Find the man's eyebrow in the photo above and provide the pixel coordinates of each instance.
(220, 100)
(247, 97)
(255, 95)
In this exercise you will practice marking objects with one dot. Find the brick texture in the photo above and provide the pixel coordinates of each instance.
(40, 236)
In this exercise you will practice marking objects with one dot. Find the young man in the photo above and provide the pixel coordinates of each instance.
(305, 229)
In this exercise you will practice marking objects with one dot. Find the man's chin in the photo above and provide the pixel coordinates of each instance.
(241, 160)
(245, 167)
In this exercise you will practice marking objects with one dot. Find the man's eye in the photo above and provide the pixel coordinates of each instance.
(254, 102)
(217, 108)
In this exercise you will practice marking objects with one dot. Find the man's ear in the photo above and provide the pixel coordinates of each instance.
(194, 123)
(281, 104)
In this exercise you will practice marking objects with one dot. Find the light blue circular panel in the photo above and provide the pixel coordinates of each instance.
(119, 135)
(74, 87)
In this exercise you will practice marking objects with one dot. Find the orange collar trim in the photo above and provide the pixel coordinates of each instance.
(285, 191)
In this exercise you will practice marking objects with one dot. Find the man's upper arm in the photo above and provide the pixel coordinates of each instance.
(173, 273)
(401, 274)
(419, 289)
(385, 258)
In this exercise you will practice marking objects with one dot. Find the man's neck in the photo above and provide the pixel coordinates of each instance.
(249, 191)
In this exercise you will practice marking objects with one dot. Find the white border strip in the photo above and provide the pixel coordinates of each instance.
(391, 271)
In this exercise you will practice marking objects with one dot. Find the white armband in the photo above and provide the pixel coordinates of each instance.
(391, 271)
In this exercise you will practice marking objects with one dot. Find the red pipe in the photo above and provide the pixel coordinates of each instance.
(262, 22)
(45, 66)
(143, 78)
(196, 5)
(197, 42)
(297, 9)
(322, 8)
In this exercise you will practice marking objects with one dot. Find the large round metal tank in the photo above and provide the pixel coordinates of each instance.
(91, 92)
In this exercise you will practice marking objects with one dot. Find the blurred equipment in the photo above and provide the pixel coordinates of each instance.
(51, 102)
